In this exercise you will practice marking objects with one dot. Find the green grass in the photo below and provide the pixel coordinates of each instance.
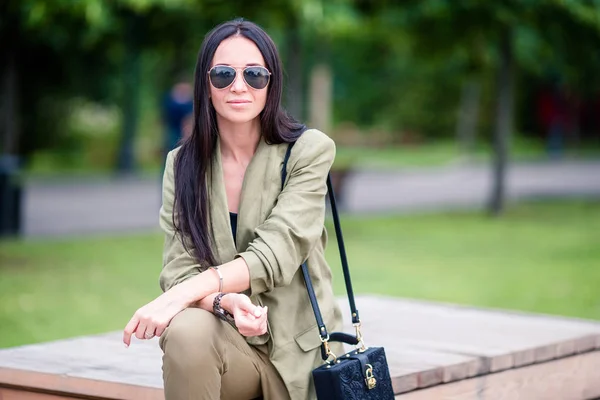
(395, 157)
(541, 257)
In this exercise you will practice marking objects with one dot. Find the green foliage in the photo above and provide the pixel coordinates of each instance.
(398, 66)
(378, 85)
(555, 31)
(539, 258)
(459, 39)
(66, 49)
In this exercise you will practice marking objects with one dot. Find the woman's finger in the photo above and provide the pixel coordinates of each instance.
(149, 334)
(262, 329)
(248, 326)
(259, 325)
(141, 330)
(246, 305)
(159, 330)
(245, 322)
(262, 318)
(129, 329)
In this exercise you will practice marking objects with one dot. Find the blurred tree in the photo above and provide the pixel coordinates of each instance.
(396, 65)
(111, 39)
(325, 23)
(382, 84)
(485, 33)
(53, 64)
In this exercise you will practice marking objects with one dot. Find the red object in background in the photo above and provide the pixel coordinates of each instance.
(552, 108)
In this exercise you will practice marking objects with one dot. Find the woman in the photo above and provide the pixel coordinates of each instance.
(234, 320)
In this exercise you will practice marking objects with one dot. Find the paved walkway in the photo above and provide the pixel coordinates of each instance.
(130, 204)
(468, 186)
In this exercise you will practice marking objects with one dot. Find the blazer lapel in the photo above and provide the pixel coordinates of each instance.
(260, 188)
(223, 244)
(262, 173)
(254, 189)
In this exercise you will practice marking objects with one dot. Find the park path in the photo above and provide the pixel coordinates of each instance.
(464, 186)
(131, 204)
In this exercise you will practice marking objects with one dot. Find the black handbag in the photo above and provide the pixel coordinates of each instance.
(361, 374)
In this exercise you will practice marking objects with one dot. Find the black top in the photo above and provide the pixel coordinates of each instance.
(233, 220)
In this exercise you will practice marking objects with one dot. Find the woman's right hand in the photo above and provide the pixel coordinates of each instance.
(250, 320)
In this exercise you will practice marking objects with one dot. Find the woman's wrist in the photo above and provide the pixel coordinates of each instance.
(207, 302)
(227, 302)
(193, 290)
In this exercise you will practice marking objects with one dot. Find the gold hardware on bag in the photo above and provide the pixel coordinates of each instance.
(361, 340)
(328, 351)
(370, 379)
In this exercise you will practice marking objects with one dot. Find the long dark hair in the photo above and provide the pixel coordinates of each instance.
(190, 211)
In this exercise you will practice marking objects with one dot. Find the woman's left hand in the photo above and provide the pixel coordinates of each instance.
(250, 320)
(153, 318)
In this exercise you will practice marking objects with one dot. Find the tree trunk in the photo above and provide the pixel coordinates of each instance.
(294, 94)
(131, 83)
(320, 104)
(503, 125)
(468, 117)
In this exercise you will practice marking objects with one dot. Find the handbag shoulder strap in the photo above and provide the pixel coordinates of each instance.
(342, 250)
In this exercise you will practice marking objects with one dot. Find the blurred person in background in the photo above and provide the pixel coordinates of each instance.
(177, 108)
(235, 321)
(553, 115)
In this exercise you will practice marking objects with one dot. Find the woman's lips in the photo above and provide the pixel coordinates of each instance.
(238, 103)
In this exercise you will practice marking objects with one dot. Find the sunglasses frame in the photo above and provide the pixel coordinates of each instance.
(243, 77)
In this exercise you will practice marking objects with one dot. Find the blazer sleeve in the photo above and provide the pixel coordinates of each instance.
(178, 264)
(286, 238)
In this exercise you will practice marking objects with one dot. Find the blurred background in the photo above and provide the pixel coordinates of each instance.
(468, 147)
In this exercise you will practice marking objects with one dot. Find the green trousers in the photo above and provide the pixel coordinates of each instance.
(206, 358)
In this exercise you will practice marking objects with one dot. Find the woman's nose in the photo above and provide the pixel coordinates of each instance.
(239, 85)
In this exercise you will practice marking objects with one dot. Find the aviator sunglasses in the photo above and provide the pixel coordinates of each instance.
(222, 76)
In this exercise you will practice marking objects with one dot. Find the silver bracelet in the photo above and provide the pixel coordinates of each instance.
(220, 278)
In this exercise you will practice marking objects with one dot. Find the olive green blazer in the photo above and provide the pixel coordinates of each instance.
(277, 231)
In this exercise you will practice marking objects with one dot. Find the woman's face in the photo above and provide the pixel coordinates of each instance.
(238, 103)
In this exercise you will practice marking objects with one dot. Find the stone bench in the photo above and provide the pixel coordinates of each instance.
(435, 351)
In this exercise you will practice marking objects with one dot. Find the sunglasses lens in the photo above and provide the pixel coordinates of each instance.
(256, 77)
(222, 76)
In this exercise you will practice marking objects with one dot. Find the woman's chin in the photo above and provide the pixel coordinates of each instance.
(239, 117)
